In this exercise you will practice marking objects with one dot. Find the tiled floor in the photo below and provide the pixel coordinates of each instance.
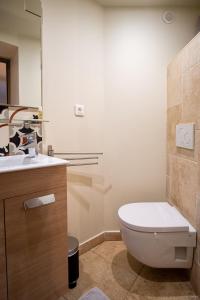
(121, 277)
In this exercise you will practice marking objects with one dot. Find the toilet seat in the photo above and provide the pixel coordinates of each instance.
(153, 217)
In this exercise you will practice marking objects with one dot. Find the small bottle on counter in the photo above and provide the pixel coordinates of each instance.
(50, 150)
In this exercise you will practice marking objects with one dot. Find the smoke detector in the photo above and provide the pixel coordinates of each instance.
(168, 17)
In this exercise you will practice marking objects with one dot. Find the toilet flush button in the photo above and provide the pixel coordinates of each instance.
(185, 135)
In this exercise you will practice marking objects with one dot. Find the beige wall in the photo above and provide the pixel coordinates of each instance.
(138, 48)
(114, 62)
(73, 73)
(183, 165)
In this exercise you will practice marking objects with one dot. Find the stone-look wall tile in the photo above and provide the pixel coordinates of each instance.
(167, 164)
(184, 186)
(173, 118)
(197, 253)
(183, 174)
(168, 188)
(174, 192)
(174, 82)
(191, 53)
(195, 277)
(198, 256)
(191, 96)
(197, 145)
(198, 211)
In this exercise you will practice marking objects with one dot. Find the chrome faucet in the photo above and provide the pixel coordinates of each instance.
(29, 141)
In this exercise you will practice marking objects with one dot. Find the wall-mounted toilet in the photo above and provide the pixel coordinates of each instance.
(157, 235)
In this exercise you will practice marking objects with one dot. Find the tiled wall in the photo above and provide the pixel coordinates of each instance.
(10, 136)
(183, 166)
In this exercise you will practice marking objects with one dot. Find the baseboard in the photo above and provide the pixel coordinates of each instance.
(91, 243)
(98, 239)
(112, 236)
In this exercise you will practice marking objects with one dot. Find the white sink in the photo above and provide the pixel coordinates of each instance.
(24, 162)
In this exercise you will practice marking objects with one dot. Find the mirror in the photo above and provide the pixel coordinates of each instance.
(20, 52)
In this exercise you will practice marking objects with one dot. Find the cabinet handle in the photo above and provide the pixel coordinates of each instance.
(40, 201)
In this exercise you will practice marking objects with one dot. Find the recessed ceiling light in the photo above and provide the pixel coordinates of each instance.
(168, 17)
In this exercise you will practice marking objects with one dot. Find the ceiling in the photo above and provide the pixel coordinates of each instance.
(17, 7)
(183, 3)
(16, 21)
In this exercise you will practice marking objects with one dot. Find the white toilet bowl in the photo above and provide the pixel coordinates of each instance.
(157, 235)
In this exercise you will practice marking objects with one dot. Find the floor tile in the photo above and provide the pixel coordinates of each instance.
(92, 270)
(162, 283)
(137, 297)
(95, 271)
(121, 277)
(116, 253)
(117, 282)
(108, 250)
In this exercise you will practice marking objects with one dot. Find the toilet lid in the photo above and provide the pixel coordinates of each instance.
(153, 217)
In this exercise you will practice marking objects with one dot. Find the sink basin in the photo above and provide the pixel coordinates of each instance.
(24, 162)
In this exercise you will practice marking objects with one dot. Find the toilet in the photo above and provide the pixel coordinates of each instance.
(157, 235)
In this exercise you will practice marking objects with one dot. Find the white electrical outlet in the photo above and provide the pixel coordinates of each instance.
(185, 136)
(79, 110)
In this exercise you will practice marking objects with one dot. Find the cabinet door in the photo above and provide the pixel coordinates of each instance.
(36, 247)
(3, 280)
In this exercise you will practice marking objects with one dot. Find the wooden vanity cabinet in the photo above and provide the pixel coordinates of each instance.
(36, 238)
(3, 278)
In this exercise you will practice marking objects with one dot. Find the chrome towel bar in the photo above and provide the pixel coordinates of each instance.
(89, 156)
(78, 153)
(81, 158)
(83, 164)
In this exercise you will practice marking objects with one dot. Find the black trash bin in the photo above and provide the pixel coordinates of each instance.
(73, 261)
